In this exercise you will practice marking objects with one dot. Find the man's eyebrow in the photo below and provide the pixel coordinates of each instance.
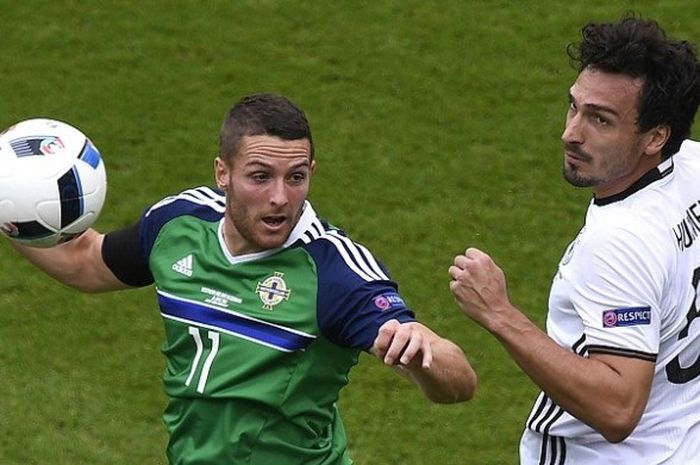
(596, 107)
(265, 164)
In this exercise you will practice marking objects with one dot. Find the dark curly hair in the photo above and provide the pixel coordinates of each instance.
(669, 68)
(262, 114)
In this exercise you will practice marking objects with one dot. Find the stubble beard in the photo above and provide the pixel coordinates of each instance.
(250, 231)
(575, 178)
(572, 173)
(257, 238)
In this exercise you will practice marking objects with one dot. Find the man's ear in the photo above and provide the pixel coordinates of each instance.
(657, 138)
(221, 173)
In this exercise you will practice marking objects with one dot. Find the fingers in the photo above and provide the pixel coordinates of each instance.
(460, 269)
(470, 256)
(474, 253)
(479, 286)
(393, 339)
(472, 266)
(383, 340)
(404, 344)
(469, 271)
(424, 350)
(455, 271)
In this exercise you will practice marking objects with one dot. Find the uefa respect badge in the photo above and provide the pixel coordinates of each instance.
(632, 316)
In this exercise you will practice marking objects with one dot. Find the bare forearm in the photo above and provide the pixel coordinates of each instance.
(449, 379)
(77, 263)
(587, 388)
(435, 364)
(607, 392)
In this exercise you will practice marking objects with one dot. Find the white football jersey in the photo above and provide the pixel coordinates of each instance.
(628, 285)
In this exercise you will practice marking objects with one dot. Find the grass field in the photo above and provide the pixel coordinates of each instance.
(437, 127)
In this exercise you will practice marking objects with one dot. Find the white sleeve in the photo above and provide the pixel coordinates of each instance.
(618, 290)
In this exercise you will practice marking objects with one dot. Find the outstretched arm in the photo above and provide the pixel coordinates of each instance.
(435, 364)
(607, 392)
(77, 263)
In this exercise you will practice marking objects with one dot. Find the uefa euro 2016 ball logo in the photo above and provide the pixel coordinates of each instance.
(272, 290)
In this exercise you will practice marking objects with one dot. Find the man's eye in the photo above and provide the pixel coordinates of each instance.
(259, 177)
(297, 177)
(600, 120)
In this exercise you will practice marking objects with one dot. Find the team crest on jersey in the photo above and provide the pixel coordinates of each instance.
(272, 290)
(632, 316)
(566, 258)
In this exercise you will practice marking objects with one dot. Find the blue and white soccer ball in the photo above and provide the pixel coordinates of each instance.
(52, 182)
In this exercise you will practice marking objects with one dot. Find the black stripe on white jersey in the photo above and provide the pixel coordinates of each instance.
(556, 446)
(546, 414)
(544, 423)
(562, 448)
(537, 411)
(576, 348)
(553, 447)
(538, 417)
(593, 349)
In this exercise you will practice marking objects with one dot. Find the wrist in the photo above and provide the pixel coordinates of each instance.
(502, 319)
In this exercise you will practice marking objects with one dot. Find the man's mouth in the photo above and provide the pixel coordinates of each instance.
(574, 153)
(273, 221)
(573, 157)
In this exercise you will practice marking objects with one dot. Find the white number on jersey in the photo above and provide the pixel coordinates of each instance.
(214, 338)
(674, 372)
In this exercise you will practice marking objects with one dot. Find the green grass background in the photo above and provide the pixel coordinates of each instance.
(437, 127)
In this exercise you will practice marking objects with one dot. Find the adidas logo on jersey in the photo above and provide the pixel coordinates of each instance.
(184, 266)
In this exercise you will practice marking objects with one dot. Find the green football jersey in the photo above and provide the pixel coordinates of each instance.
(258, 346)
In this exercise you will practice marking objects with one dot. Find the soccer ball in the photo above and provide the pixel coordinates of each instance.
(52, 182)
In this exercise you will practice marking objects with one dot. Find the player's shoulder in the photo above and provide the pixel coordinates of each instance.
(687, 158)
(654, 204)
(645, 208)
(337, 254)
(626, 235)
(627, 224)
(203, 202)
(690, 148)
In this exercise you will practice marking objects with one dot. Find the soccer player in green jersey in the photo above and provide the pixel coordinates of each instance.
(266, 306)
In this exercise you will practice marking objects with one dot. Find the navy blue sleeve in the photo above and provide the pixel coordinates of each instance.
(356, 295)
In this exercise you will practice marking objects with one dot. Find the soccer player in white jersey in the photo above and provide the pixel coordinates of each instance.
(619, 366)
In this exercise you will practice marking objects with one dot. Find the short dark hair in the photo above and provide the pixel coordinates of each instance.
(262, 114)
(639, 48)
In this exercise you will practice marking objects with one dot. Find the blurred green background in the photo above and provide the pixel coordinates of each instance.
(437, 127)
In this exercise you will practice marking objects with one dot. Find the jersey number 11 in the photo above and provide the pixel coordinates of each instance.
(206, 367)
